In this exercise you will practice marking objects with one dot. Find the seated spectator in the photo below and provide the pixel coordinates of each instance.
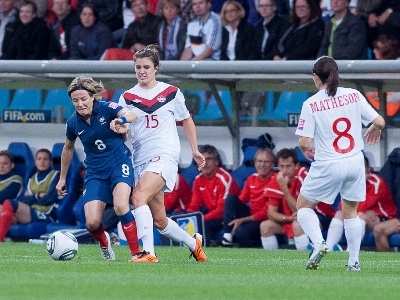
(143, 30)
(11, 184)
(386, 47)
(171, 31)
(8, 21)
(244, 213)
(237, 34)
(91, 38)
(210, 189)
(281, 193)
(60, 29)
(269, 31)
(31, 38)
(345, 35)
(377, 207)
(302, 39)
(204, 33)
(110, 12)
(39, 204)
(179, 199)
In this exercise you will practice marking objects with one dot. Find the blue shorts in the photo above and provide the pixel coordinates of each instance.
(99, 184)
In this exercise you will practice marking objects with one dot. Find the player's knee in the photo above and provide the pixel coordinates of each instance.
(92, 224)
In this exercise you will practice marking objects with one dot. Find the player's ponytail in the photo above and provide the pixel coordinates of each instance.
(327, 70)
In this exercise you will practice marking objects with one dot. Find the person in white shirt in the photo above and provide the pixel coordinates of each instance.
(156, 152)
(333, 118)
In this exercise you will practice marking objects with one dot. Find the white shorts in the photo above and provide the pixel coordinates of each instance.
(160, 165)
(328, 178)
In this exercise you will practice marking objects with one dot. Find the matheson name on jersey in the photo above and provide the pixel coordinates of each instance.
(334, 102)
(151, 105)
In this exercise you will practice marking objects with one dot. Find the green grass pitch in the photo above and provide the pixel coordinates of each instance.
(28, 272)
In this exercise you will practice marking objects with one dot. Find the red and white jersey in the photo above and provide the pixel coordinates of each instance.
(154, 133)
(335, 123)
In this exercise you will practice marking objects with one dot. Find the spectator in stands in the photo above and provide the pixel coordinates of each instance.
(386, 47)
(237, 34)
(210, 189)
(109, 171)
(143, 30)
(91, 38)
(31, 38)
(11, 184)
(281, 193)
(110, 12)
(269, 31)
(244, 213)
(204, 33)
(377, 207)
(345, 35)
(179, 198)
(8, 21)
(171, 31)
(60, 28)
(302, 39)
(39, 204)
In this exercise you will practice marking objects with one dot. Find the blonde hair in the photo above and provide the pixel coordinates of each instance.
(88, 84)
(237, 6)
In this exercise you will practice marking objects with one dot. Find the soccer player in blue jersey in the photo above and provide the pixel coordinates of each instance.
(11, 184)
(109, 172)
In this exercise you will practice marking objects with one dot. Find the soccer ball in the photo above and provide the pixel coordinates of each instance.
(62, 245)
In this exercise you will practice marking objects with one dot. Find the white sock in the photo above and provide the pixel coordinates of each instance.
(353, 230)
(177, 234)
(144, 223)
(335, 233)
(309, 222)
(301, 242)
(228, 237)
(363, 228)
(269, 242)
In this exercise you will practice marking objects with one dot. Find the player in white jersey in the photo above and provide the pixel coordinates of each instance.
(333, 117)
(156, 151)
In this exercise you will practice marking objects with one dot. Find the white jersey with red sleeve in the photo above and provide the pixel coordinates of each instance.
(335, 123)
(154, 133)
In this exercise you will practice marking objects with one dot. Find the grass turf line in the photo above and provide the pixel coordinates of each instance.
(27, 272)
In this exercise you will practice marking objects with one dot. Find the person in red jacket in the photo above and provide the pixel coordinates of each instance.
(179, 199)
(378, 206)
(210, 189)
(243, 214)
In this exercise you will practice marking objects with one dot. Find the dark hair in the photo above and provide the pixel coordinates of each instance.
(32, 4)
(7, 154)
(388, 46)
(212, 150)
(315, 11)
(152, 52)
(92, 7)
(285, 153)
(327, 71)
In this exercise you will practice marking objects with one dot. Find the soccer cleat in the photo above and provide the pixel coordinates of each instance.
(198, 252)
(356, 267)
(143, 257)
(107, 252)
(315, 257)
(225, 243)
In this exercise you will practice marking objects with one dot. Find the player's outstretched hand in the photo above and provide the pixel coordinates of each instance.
(373, 135)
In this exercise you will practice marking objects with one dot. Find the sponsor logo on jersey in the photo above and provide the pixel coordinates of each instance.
(102, 120)
(113, 105)
(202, 188)
(161, 99)
(80, 132)
(137, 101)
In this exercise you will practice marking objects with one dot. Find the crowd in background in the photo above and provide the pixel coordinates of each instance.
(200, 29)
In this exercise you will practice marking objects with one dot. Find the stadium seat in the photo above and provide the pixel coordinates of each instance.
(26, 99)
(56, 98)
(246, 168)
(190, 172)
(116, 95)
(4, 100)
(24, 160)
(289, 102)
(209, 109)
(301, 158)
